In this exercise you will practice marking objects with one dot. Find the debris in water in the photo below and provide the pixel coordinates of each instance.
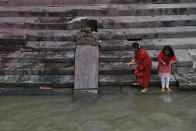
(45, 88)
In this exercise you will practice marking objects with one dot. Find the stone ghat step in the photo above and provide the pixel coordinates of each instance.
(49, 46)
(37, 69)
(186, 81)
(124, 80)
(100, 10)
(148, 33)
(149, 44)
(10, 34)
(103, 22)
(120, 68)
(183, 57)
(41, 46)
(105, 34)
(43, 57)
(68, 80)
(37, 80)
(65, 2)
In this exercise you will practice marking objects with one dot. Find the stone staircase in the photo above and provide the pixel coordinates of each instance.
(38, 42)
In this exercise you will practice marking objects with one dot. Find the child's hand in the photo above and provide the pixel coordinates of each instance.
(163, 62)
(127, 64)
(171, 62)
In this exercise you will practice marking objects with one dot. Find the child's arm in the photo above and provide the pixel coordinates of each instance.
(160, 58)
(173, 60)
(132, 62)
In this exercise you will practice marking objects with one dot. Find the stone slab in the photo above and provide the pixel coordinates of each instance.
(183, 58)
(192, 52)
(86, 67)
(186, 81)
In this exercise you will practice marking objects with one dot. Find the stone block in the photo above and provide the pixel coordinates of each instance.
(86, 67)
(192, 52)
(186, 81)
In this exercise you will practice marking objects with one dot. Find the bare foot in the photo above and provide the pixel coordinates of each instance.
(136, 84)
(144, 90)
(163, 90)
(169, 90)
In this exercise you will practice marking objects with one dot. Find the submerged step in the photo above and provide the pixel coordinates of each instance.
(127, 80)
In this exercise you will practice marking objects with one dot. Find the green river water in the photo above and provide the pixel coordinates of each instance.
(109, 112)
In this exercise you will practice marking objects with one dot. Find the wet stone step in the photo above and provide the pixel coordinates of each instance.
(37, 80)
(30, 57)
(186, 81)
(148, 33)
(120, 68)
(37, 69)
(127, 80)
(100, 10)
(35, 91)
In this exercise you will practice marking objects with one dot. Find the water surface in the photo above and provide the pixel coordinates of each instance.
(116, 112)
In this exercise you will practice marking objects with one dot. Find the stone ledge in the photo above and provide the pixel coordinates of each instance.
(127, 80)
(186, 81)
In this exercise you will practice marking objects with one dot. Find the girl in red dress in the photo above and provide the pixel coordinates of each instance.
(166, 58)
(143, 70)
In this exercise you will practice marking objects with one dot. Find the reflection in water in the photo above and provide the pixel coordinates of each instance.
(166, 98)
(119, 112)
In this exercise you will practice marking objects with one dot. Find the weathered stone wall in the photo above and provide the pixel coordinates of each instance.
(65, 2)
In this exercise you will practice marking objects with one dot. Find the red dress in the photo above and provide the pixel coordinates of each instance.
(165, 70)
(143, 70)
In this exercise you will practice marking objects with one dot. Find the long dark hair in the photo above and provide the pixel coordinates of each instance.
(169, 48)
(136, 45)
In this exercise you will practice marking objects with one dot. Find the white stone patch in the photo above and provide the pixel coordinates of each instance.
(78, 19)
